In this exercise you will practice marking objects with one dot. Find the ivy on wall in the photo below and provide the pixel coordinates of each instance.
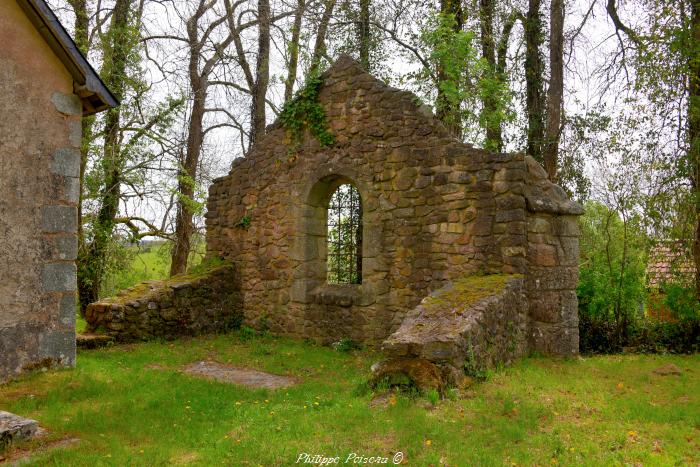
(304, 112)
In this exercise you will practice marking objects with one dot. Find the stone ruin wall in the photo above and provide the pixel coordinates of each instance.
(434, 209)
(185, 305)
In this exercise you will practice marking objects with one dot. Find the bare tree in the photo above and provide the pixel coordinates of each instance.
(262, 73)
(320, 45)
(555, 91)
(533, 77)
(293, 48)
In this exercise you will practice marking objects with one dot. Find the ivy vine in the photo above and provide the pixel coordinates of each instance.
(304, 112)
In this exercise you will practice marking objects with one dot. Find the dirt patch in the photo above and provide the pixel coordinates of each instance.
(22, 454)
(668, 370)
(243, 376)
(383, 401)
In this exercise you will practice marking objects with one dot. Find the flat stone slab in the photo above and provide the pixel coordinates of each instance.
(93, 341)
(14, 428)
(243, 376)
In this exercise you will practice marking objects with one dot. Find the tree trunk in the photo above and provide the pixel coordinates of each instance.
(82, 41)
(187, 176)
(555, 91)
(294, 52)
(320, 44)
(533, 80)
(494, 138)
(262, 74)
(694, 130)
(363, 33)
(92, 262)
(446, 110)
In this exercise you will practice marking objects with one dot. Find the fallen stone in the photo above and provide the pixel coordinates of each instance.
(93, 341)
(243, 376)
(14, 428)
(668, 370)
(480, 318)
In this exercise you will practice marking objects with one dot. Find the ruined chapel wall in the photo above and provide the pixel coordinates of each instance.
(39, 163)
(434, 209)
(552, 276)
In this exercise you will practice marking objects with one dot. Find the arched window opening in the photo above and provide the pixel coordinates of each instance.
(344, 236)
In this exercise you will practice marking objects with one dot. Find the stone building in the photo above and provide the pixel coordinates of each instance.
(46, 86)
(451, 249)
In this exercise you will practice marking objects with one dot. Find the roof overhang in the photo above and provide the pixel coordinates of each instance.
(87, 84)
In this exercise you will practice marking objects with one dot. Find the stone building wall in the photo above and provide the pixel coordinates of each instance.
(39, 164)
(434, 210)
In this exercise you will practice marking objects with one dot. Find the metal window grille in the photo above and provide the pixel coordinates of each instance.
(344, 236)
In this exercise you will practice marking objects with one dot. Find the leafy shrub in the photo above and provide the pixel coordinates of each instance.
(345, 345)
(611, 289)
(681, 301)
(651, 336)
(643, 336)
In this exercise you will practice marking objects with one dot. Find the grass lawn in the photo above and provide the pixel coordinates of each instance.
(129, 405)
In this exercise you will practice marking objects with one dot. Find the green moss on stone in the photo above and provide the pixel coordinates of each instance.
(468, 290)
(155, 288)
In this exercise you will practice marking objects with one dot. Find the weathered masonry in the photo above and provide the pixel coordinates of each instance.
(46, 86)
(414, 216)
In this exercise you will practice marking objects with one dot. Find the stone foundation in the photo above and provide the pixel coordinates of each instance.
(180, 306)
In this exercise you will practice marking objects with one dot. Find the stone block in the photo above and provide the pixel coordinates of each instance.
(67, 104)
(66, 162)
(67, 310)
(71, 190)
(58, 277)
(14, 428)
(551, 278)
(553, 306)
(541, 254)
(66, 247)
(59, 219)
(75, 133)
(58, 346)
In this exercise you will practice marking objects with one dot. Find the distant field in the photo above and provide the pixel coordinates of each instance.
(143, 263)
(132, 405)
(149, 262)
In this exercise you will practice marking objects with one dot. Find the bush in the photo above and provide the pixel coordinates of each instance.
(643, 336)
(682, 336)
(681, 301)
(611, 288)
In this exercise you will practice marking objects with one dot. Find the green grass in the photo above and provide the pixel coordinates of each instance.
(129, 405)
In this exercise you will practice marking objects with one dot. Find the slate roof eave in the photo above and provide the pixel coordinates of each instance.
(88, 85)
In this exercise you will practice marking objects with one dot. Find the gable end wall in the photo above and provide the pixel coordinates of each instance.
(434, 210)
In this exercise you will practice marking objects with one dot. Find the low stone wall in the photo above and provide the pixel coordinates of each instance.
(472, 323)
(185, 305)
